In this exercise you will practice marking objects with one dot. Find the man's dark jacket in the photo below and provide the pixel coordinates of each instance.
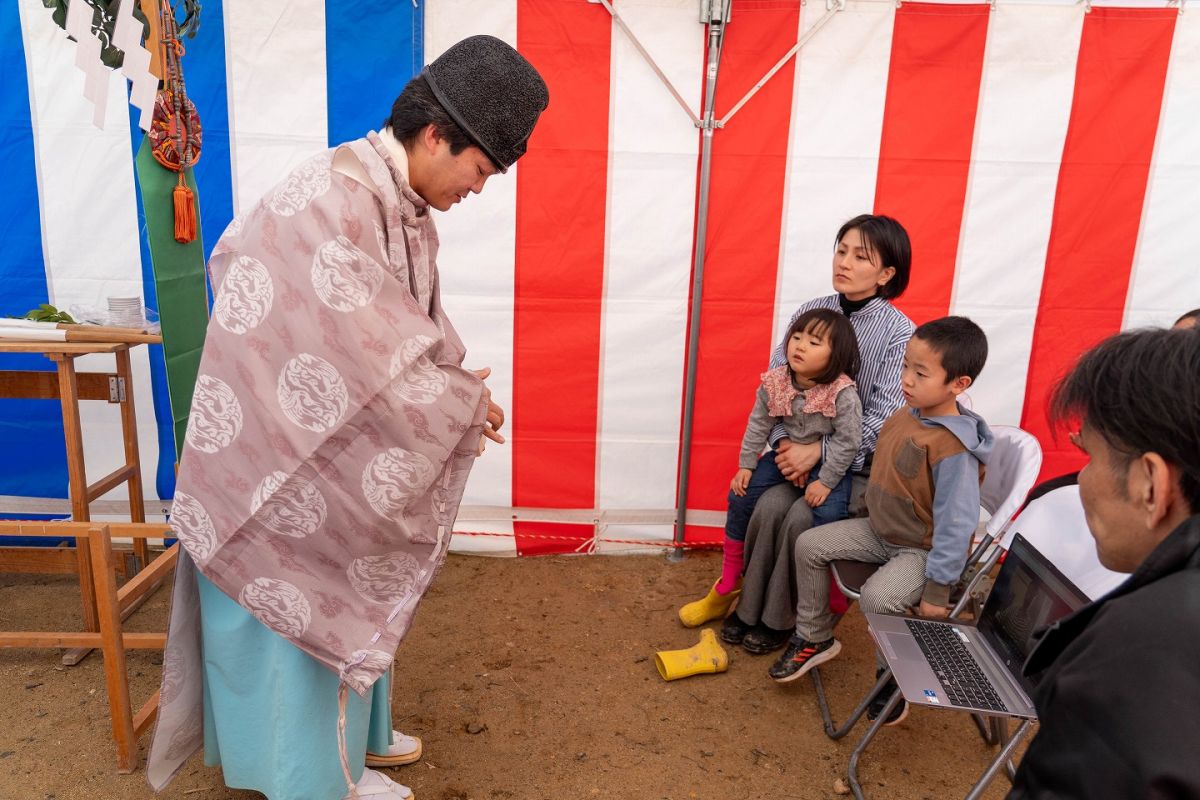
(1118, 694)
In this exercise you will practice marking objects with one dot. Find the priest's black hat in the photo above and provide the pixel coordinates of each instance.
(492, 93)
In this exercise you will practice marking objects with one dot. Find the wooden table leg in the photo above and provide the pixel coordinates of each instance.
(116, 676)
(137, 508)
(77, 477)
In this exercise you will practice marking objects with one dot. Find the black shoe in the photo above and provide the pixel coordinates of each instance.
(800, 658)
(763, 640)
(733, 631)
(880, 701)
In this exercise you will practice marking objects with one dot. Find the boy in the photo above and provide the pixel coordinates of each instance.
(922, 502)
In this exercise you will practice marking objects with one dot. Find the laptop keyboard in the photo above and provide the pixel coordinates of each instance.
(956, 669)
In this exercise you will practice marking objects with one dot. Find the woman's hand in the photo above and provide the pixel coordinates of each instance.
(741, 479)
(495, 414)
(816, 493)
(795, 460)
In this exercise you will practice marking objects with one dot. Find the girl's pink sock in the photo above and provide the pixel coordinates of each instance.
(731, 569)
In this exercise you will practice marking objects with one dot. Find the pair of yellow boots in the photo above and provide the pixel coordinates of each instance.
(707, 655)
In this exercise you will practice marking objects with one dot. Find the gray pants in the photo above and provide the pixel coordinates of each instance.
(895, 587)
(769, 583)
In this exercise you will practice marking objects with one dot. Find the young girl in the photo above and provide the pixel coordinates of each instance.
(813, 396)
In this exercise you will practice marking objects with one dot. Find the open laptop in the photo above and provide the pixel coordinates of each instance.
(977, 666)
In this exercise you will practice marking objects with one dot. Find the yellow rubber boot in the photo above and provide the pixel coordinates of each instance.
(705, 657)
(712, 606)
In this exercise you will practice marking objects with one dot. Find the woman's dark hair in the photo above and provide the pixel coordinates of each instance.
(961, 344)
(843, 343)
(415, 108)
(1139, 390)
(887, 238)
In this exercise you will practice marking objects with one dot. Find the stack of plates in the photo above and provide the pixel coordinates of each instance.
(126, 312)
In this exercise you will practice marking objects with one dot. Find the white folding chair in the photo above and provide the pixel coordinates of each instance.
(1011, 472)
(1054, 524)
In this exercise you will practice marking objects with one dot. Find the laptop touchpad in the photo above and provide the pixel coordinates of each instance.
(901, 647)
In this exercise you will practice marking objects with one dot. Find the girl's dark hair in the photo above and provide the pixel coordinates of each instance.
(843, 343)
(1139, 391)
(415, 108)
(887, 237)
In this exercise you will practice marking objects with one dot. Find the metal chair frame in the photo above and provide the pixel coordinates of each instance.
(993, 730)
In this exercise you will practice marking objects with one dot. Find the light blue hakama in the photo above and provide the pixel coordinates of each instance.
(270, 711)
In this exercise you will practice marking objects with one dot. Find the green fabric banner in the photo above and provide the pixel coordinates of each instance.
(180, 282)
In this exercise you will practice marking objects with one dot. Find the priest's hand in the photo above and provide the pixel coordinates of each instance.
(495, 414)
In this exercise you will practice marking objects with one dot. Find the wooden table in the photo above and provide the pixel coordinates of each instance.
(112, 605)
(69, 387)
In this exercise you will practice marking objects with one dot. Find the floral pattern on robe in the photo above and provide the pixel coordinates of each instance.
(331, 434)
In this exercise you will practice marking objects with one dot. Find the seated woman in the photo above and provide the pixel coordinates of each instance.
(871, 267)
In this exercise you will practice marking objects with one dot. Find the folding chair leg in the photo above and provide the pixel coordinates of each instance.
(999, 728)
(1003, 757)
(866, 740)
(831, 730)
(986, 731)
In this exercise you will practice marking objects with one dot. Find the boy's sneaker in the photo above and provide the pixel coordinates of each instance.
(763, 640)
(880, 701)
(800, 658)
(733, 630)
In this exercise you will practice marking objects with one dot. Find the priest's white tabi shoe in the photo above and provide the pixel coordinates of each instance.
(403, 750)
(377, 786)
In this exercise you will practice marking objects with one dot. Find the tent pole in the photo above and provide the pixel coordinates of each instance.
(716, 36)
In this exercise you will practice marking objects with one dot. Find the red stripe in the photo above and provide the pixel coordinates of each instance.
(742, 244)
(561, 196)
(1119, 83)
(925, 149)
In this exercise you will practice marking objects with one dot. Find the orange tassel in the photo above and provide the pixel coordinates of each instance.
(185, 213)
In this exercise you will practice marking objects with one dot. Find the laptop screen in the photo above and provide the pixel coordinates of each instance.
(1029, 594)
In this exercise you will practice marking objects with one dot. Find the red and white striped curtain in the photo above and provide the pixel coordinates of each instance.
(1044, 157)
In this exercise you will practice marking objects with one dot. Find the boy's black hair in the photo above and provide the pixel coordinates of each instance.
(417, 107)
(961, 344)
(843, 343)
(887, 237)
(1139, 390)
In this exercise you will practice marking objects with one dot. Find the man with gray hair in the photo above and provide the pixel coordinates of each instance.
(1117, 689)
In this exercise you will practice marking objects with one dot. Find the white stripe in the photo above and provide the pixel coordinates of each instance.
(476, 260)
(833, 160)
(651, 210)
(1024, 106)
(275, 57)
(1166, 276)
(89, 223)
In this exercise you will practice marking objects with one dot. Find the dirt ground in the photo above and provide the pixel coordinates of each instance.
(526, 678)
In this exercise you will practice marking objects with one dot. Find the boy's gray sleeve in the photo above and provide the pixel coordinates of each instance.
(842, 446)
(757, 428)
(955, 517)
